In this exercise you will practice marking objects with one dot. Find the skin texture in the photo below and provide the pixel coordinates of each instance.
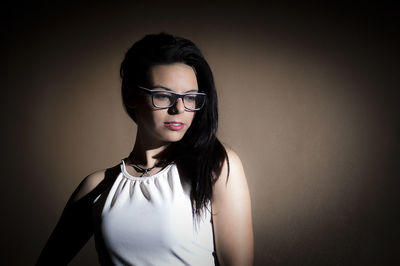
(178, 78)
(152, 135)
(232, 221)
(230, 203)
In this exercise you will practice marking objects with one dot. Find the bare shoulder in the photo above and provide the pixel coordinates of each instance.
(232, 181)
(88, 184)
(232, 155)
(232, 221)
(232, 167)
(234, 159)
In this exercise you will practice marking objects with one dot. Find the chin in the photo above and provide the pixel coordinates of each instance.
(175, 139)
(173, 136)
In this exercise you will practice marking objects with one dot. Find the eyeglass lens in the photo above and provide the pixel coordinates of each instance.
(190, 101)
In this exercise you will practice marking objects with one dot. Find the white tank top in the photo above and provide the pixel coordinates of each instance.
(148, 221)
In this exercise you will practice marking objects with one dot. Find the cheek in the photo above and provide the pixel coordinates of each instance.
(191, 117)
(145, 116)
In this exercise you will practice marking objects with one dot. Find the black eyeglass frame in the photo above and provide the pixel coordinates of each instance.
(177, 96)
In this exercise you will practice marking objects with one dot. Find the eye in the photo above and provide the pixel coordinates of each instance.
(190, 98)
(163, 96)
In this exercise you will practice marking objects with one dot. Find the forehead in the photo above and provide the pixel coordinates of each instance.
(177, 77)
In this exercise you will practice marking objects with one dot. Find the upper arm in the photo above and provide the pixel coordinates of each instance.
(87, 185)
(232, 215)
(74, 227)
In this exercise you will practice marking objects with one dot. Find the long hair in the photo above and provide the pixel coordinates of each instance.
(199, 155)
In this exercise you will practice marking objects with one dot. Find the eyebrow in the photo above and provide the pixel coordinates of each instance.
(168, 89)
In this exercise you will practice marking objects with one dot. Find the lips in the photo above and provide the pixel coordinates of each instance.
(174, 125)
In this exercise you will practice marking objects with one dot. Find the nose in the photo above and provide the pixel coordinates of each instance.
(178, 107)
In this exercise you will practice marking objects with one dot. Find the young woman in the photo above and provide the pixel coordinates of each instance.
(180, 197)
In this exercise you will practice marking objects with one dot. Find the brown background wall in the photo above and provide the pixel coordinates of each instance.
(308, 99)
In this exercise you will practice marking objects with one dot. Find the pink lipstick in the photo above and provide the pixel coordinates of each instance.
(175, 126)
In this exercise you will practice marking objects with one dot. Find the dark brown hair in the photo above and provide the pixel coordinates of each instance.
(199, 155)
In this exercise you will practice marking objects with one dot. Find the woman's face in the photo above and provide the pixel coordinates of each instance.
(162, 126)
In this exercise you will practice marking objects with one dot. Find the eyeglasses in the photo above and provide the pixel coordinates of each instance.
(192, 101)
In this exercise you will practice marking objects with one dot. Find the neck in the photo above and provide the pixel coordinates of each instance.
(144, 151)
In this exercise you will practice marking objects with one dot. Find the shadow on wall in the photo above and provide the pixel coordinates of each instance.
(308, 99)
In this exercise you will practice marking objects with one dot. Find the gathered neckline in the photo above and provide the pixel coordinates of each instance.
(142, 178)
